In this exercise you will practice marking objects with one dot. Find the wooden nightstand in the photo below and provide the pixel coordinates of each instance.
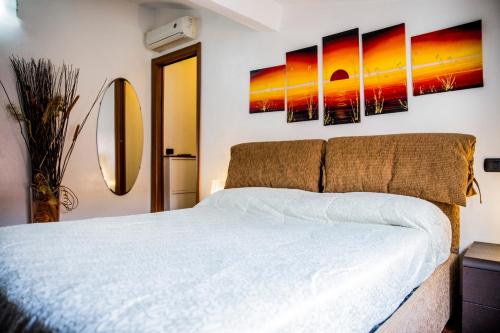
(481, 288)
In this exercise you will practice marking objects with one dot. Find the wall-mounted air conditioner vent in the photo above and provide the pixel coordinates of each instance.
(182, 28)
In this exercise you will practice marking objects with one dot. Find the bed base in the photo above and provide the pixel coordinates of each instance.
(429, 308)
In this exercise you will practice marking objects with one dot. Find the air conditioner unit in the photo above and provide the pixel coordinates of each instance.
(182, 28)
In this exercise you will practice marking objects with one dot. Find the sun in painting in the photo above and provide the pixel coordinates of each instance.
(339, 74)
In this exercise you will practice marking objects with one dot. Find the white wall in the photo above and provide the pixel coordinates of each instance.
(230, 51)
(105, 40)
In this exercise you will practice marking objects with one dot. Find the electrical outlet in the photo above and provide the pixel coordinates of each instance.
(492, 164)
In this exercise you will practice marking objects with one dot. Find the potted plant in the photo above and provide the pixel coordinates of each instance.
(47, 97)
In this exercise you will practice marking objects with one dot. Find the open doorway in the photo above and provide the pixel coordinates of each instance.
(175, 129)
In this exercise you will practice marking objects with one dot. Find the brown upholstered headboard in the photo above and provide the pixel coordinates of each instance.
(434, 167)
(280, 164)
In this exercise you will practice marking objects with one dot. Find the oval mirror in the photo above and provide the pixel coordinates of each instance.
(120, 136)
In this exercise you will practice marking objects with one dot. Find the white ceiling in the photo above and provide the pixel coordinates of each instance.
(246, 12)
(250, 13)
(171, 4)
(319, 2)
(186, 4)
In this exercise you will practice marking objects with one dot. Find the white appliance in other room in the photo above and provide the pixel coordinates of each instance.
(180, 182)
(182, 28)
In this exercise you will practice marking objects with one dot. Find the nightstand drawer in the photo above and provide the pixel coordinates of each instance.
(481, 286)
(478, 318)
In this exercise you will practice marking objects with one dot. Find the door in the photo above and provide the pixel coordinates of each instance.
(175, 128)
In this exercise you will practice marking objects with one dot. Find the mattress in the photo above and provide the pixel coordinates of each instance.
(243, 260)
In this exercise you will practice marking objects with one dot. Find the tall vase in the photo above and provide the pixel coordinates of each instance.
(44, 205)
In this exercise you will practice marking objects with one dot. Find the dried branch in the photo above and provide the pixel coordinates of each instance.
(19, 116)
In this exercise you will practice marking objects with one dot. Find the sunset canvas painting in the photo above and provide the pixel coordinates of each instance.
(384, 71)
(341, 81)
(267, 89)
(302, 84)
(448, 59)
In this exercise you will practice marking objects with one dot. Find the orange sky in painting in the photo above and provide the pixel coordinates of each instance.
(454, 51)
(384, 57)
(302, 66)
(267, 83)
(425, 52)
(341, 51)
(271, 77)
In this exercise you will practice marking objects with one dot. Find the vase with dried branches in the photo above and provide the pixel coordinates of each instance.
(47, 96)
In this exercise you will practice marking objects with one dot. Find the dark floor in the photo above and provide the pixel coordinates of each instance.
(454, 325)
(450, 330)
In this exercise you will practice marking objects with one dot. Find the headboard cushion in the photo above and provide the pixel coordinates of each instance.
(281, 164)
(434, 167)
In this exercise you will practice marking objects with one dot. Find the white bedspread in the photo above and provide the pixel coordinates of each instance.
(243, 260)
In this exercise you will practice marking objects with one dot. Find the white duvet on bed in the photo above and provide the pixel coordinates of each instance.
(243, 260)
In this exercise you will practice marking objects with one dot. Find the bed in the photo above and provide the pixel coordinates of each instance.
(270, 253)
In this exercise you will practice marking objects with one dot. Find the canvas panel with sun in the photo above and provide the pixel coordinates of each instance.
(302, 84)
(384, 71)
(341, 83)
(448, 59)
(267, 89)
